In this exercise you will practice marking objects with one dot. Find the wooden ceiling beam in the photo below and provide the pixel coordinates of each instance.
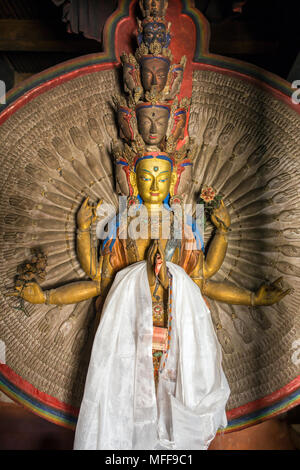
(241, 37)
(38, 36)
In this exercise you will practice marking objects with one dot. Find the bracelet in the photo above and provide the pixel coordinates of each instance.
(84, 230)
(197, 278)
(47, 295)
(252, 299)
(223, 231)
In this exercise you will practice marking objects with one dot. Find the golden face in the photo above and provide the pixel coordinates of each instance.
(153, 179)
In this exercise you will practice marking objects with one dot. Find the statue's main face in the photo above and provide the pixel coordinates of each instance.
(155, 7)
(155, 31)
(153, 123)
(154, 72)
(153, 177)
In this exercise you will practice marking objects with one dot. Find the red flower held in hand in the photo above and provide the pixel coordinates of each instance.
(208, 194)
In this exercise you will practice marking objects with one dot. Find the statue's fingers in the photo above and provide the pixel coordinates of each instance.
(95, 210)
(282, 294)
(278, 282)
(99, 204)
(155, 250)
(28, 284)
(86, 201)
(161, 251)
(152, 256)
(151, 248)
(287, 292)
(12, 294)
(214, 219)
(220, 208)
(219, 223)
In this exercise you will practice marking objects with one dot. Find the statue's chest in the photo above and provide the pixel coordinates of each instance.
(137, 249)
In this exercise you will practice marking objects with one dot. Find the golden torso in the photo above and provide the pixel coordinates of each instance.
(159, 294)
(137, 250)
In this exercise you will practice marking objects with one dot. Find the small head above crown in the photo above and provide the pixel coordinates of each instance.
(153, 7)
(154, 30)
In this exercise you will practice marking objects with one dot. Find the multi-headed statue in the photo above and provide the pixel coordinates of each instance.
(153, 167)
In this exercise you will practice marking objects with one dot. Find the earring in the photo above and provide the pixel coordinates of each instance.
(175, 200)
(134, 201)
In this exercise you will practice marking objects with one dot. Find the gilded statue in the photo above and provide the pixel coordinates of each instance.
(152, 191)
(153, 169)
(153, 158)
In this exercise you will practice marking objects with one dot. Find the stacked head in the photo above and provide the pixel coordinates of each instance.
(151, 120)
(155, 8)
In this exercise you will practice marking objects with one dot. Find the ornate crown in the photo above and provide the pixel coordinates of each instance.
(151, 120)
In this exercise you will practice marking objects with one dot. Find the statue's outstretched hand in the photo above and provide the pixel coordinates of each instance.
(87, 214)
(31, 292)
(269, 294)
(220, 217)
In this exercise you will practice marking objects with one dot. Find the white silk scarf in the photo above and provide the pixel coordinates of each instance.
(120, 409)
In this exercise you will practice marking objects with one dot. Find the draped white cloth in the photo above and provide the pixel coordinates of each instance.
(120, 409)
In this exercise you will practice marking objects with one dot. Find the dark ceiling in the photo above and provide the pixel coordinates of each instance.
(33, 36)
